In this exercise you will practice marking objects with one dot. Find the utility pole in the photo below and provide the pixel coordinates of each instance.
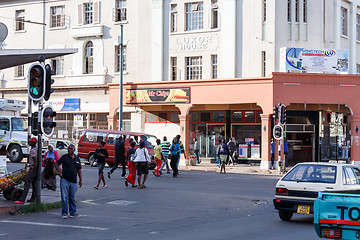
(121, 77)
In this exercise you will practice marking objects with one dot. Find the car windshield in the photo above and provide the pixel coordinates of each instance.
(19, 124)
(150, 141)
(312, 173)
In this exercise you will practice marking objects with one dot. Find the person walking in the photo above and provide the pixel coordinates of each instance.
(131, 165)
(223, 153)
(48, 177)
(71, 168)
(272, 153)
(232, 151)
(119, 157)
(182, 150)
(175, 155)
(165, 147)
(142, 159)
(158, 157)
(286, 150)
(32, 174)
(100, 155)
(197, 150)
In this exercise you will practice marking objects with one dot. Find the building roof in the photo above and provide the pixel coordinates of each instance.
(14, 57)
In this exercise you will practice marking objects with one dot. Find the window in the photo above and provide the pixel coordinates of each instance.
(358, 68)
(174, 117)
(5, 124)
(194, 16)
(88, 57)
(357, 174)
(357, 27)
(111, 139)
(264, 11)
(193, 68)
(219, 116)
(57, 65)
(162, 117)
(297, 11)
(249, 117)
(214, 63)
(94, 137)
(173, 18)
(289, 11)
(311, 173)
(57, 18)
(205, 116)
(120, 10)
(343, 21)
(237, 116)
(117, 59)
(19, 71)
(193, 116)
(173, 61)
(305, 11)
(150, 117)
(263, 63)
(88, 13)
(19, 20)
(214, 14)
(349, 177)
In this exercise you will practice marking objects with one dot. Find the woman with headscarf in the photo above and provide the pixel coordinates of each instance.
(48, 177)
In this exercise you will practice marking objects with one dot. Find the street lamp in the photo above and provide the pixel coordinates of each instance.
(121, 77)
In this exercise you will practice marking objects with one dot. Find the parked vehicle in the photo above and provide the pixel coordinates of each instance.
(90, 138)
(298, 189)
(337, 215)
(61, 146)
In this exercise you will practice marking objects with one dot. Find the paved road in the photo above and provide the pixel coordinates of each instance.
(196, 205)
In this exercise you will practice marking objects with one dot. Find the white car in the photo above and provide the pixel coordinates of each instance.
(297, 190)
(61, 146)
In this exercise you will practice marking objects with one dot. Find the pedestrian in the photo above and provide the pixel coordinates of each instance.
(100, 155)
(119, 157)
(158, 157)
(165, 147)
(175, 155)
(131, 165)
(182, 150)
(32, 174)
(48, 177)
(142, 159)
(223, 153)
(232, 151)
(272, 153)
(136, 139)
(71, 168)
(286, 150)
(197, 150)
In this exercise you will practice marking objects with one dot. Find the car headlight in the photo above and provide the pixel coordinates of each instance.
(23, 142)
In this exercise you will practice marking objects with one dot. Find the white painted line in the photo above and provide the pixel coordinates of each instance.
(89, 202)
(53, 225)
(121, 202)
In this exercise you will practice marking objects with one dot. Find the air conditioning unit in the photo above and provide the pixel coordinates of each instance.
(12, 105)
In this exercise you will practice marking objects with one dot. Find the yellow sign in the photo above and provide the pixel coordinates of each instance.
(160, 95)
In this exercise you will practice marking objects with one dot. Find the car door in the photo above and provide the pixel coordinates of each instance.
(351, 177)
(4, 129)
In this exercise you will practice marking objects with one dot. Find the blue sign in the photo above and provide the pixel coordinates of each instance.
(71, 104)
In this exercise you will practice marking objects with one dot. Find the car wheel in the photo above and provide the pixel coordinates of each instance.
(16, 194)
(15, 153)
(92, 161)
(285, 215)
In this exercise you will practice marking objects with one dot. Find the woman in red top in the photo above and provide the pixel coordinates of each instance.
(131, 165)
(48, 177)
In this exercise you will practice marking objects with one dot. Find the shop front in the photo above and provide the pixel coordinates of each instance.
(320, 126)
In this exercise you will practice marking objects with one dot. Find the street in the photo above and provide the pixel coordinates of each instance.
(196, 205)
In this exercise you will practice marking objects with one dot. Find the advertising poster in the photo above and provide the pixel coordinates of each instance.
(67, 104)
(2, 165)
(314, 60)
(173, 95)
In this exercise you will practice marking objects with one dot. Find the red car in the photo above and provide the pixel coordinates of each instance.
(90, 138)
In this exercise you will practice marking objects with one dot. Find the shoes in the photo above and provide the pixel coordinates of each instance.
(160, 172)
(96, 187)
(126, 183)
(104, 186)
(75, 216)
(168, 172)
(64, 217)
(143, 186)
(134, 186)
(109, 175)
(140, 187)
(18, 202)
(154, 174)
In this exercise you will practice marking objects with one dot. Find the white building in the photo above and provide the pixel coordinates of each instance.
(164, 40)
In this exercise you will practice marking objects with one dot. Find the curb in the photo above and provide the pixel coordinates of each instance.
(5, 210)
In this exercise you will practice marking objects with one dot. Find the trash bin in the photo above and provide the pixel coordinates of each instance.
(192, 160)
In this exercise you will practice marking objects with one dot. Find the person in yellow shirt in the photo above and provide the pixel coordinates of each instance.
(158, 157)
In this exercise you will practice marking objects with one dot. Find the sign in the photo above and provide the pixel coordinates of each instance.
(158, 95)
(278, 132)
(67, 104)
(2, 165)
(314, 60)
(78, 120)
(243, 151)
(194, 42)
(249, 141)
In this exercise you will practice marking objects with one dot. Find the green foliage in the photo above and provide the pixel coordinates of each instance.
(44, 207)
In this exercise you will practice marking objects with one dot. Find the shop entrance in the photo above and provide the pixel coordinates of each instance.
(208, 135)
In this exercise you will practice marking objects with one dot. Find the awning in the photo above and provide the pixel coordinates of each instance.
(14, 57)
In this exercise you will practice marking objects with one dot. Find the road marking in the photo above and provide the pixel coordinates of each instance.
(121, 202)
(54, 225)
(89, 202)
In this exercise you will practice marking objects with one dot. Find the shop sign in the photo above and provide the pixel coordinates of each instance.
(158, 95)
(314, 60)
(67, 104)
(78, 120)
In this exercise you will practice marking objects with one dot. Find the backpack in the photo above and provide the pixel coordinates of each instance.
(222, 149)
(132, 156)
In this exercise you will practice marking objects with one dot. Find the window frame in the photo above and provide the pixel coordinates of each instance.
(173, 17)
(58, 67)
(214, 66)
(19, 20)
(120, 11)
(214, 14)
(88, 13)
(194, 18)
(357, 27)
(297, 11)
(344, 21)
(88, 58)
(264, 11)
(174, 67)
(191, 69)
(57, 18)
(289, 11)
(117, 58)
(305, 17)
(19, 71)
(263, 63)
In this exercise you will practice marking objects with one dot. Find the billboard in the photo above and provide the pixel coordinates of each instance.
(314, 60)
(158, 95)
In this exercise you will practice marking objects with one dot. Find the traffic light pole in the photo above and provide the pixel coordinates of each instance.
(29, 125)
(39, 157)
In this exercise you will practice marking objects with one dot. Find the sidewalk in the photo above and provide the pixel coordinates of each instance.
(47, 196)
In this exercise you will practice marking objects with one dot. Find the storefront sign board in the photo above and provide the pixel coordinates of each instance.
(243, 151)
(158, 95)
(66, 104)
(314, 60)
(2, 165)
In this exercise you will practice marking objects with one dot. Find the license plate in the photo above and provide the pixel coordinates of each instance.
(303, 209)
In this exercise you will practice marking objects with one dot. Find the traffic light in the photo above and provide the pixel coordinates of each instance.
(47, 121)
(48, 82)
(36, 84)
(282, 114)
(34, 123)
(276, 112)
(278, 132)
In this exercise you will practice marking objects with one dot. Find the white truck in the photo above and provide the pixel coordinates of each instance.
(13, 128)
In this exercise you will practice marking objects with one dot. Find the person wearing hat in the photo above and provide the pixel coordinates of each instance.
(31, 176)
(48, 177)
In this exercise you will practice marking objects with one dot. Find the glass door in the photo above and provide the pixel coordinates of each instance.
(215, 133)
